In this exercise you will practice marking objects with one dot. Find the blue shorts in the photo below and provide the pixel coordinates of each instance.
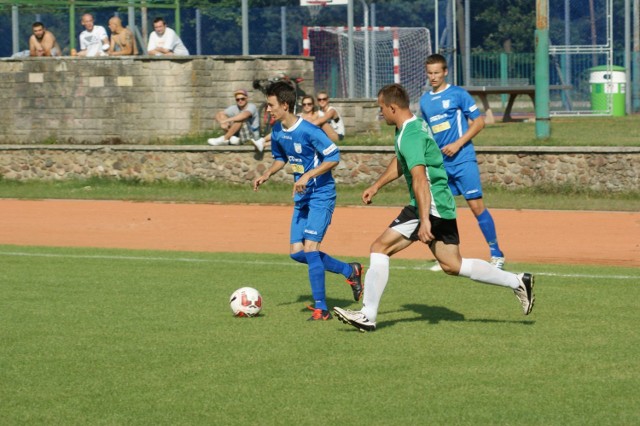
(464, 179)
(310, 220)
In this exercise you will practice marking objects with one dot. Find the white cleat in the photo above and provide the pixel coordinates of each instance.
(355, 318)
(524, 292)
(258, 143)
(497, 261)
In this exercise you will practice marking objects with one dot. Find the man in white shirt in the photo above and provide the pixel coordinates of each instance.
(93, 40)
(164, 41)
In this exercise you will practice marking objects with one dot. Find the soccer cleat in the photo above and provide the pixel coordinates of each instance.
(258, 143)
(524, 292)
(497, 261)
(436, 267)
(355, 318)
(217, 141)
(234, 140)
(355, 280)
(319, 315)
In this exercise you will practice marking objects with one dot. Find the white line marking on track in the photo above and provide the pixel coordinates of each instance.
(261, 262)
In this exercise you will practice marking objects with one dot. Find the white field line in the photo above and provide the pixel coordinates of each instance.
(271, 263)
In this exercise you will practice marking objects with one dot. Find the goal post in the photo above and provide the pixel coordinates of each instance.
(383, 55)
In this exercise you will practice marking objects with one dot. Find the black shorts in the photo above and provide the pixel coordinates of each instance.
(407, 223)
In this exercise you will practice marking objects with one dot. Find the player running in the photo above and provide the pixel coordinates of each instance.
(454, 119)
(312, 156)
(429, 218)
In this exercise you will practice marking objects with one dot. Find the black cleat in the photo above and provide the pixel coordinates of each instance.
(355, 280)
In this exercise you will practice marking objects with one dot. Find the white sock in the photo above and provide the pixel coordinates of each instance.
(375, 280)
(484, 272)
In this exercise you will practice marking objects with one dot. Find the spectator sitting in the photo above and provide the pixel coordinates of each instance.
(42, 42)
(240, 121)
(331, 115)
(164, 41)
(93, 40)
(314, 115)
(123, 42)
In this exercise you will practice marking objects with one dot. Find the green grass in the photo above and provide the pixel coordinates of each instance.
(558, 198)
(138, 337)
(565, 131)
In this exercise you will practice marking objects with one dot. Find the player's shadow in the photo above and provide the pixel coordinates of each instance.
(436, 314)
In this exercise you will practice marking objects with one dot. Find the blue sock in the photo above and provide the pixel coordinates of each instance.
(316, 278)
(299, 257)
(488, 228)
(336, 266)
(330, 264)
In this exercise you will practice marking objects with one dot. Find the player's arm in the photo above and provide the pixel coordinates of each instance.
(300, 186)
(34, 46)
(423, 199)
(48, 41)
(392, 172)
(475, 126)
(275, 168)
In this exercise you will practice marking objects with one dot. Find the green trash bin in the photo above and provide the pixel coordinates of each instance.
(608, 86)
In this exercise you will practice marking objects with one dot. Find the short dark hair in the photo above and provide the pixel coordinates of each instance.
(159, 19)
(37, 24)
(436, 59)
(284, 92)
(394, 94)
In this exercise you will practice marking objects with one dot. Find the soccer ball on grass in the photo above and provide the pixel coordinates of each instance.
(246, 302)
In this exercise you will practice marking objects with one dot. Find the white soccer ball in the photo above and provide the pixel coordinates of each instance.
(246, 302)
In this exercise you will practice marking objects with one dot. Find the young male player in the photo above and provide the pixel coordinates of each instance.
(454, 119)
(429, 218)
(312, 156)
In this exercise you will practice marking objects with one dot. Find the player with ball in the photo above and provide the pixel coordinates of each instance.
(312, 156)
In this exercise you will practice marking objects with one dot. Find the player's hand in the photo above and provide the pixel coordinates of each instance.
(262, 179)
(368, 194)
(451, 149)
(424, 232)
(300, 186)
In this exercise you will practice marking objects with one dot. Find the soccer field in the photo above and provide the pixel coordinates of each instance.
(94, 336)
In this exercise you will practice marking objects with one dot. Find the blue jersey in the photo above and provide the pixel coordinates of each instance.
(304, 146)
(447, 113)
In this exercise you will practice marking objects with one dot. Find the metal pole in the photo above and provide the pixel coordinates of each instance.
(198, 32)
(467, 44)
(245, 27)
(627, 54)
(367, 88)
(177, 17)
(132, 17)
(635, 86)
(454, 31)
(72, 25)
(15, 24)
(543, 129)
(283, 29)
(351, 49)
(374, 59)
(436, 47)
(144, 22)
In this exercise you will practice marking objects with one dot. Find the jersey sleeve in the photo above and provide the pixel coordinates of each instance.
(321, 142)
(468, 105)
(277, 151)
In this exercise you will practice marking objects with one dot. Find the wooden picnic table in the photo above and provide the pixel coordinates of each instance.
(483, 92)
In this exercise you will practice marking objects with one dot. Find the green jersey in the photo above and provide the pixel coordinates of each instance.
(414, 147)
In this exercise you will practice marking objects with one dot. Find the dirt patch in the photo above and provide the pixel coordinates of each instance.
(533, 236)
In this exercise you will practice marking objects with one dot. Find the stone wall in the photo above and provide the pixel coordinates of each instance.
(138, 100)
(597, 168)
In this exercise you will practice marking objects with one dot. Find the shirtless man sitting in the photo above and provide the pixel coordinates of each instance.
(123, 42)
(42, 42)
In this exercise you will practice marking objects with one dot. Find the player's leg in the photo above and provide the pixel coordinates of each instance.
(446, 250)
(469, 185)
(394, 239)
